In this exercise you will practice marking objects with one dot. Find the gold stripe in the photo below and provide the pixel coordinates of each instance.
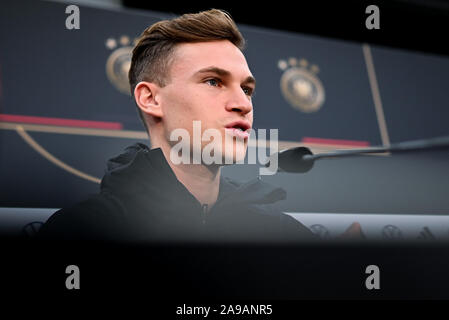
(21, 131)
(143, 135)
(128, 134)
(376, 95)
(77, 131)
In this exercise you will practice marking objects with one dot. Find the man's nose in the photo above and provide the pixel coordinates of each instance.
(239, 102)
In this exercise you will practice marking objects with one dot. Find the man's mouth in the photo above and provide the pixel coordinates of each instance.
(239, 128)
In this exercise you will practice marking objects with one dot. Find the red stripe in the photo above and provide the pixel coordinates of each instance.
(351, 143)
(61, 122)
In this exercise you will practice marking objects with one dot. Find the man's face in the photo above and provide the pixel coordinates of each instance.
(210, 82)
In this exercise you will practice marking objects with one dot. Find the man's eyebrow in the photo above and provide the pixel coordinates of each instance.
(225, 73)
(250, 80)
(219, 71)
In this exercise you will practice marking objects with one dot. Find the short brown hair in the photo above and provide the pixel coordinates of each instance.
(152, 54)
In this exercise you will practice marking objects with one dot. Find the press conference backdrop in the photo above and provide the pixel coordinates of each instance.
(65, 110)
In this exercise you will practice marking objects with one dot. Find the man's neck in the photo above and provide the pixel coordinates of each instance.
(202, 181)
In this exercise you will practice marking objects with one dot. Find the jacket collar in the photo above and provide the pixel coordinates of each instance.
(141, 170)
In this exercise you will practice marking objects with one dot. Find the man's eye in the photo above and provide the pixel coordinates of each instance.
(248, 91)
(213, 82)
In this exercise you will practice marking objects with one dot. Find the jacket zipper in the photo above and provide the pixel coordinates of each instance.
(204, 208)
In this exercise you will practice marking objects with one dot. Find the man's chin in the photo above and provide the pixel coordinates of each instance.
(235, 158)
(226, 155)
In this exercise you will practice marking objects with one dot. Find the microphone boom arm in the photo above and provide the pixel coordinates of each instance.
(406, 146)
(301, 159)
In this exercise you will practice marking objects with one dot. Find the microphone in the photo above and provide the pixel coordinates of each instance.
(301, 159)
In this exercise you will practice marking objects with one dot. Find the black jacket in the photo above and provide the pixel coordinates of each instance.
(142, 200)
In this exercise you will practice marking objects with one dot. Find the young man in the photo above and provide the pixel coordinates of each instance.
(184, 70)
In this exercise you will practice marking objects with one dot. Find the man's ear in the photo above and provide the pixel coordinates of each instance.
(145, 94)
